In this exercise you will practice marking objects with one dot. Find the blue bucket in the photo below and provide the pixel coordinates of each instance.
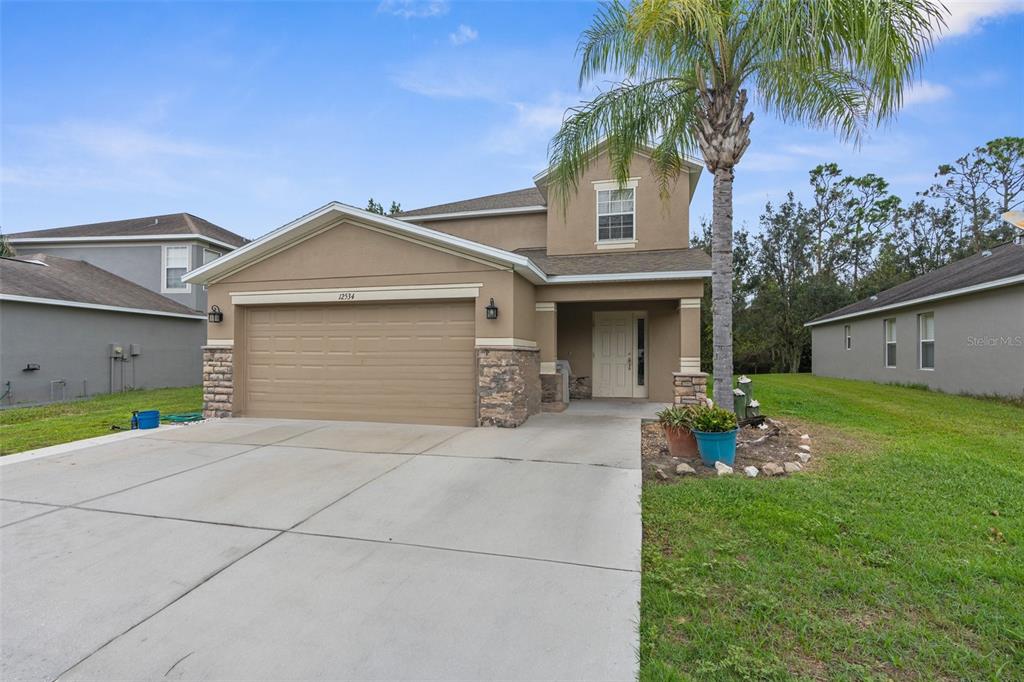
(716, 447)
(149, 419)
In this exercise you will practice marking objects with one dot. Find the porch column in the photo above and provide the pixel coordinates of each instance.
(689, 383)
(552, 384)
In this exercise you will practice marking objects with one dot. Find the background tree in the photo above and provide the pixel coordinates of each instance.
(374, 207)
(688, 66)
(6, 250)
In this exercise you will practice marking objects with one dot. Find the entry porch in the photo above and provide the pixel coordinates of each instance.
(643, 349)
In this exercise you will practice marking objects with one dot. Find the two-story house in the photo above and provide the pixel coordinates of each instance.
(102, 307)
(471, 313)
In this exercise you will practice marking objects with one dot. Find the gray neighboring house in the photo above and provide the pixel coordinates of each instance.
(70, 329)
(68, 332)
(154, 252)
(958, 329)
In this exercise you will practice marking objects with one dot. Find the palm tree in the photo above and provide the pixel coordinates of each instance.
(684, 69)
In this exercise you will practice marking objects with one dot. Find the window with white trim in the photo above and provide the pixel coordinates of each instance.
(890, 342)
(209, 255)
(926, 335)
(615, 214)
(847, 338)
(175, 266)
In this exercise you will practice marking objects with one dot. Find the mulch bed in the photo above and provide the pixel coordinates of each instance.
(777, 443)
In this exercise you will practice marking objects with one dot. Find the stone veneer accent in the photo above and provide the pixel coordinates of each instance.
(508, 385)
(580, 388)
(551, 388)
(690, 389)
(218, 381)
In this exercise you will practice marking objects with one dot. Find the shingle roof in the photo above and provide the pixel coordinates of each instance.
(173, 223)
(1005, 261)
(63, 279)
(665, 260)
(520, 198)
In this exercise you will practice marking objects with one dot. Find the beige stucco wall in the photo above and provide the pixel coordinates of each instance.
(624, 291)
(575, 340)
(659, 224)
(509, 232)
(348, 255)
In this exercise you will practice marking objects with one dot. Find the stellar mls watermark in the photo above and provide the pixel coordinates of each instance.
(995, 341)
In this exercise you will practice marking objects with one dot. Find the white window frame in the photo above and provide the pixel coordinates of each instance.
(607, 186)
(185, 288)
(889, 325)
(921, 317)
(847, 337)
(216, 255)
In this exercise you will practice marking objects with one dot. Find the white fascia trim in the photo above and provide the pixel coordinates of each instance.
(139, 238)
(629, 277)
(95, 306)
(994, 284)
(232, 261)
(357, 294)
(476, 214)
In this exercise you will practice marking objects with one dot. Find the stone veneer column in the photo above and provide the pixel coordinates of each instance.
(508, 385)
(218, 381)
(690, 388)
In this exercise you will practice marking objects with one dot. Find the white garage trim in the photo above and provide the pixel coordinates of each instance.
(357, 294)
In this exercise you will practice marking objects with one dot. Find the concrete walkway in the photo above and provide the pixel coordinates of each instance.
(274, 549)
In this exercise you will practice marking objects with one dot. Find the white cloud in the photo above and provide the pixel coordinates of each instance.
(463, 34)
(533, 123)
(925, 92)
(967, 16)
(414, 9)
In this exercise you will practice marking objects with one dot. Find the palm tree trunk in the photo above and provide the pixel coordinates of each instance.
(721, 286)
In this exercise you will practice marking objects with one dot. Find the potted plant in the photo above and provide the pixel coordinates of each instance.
(677, 422)
(715, 430)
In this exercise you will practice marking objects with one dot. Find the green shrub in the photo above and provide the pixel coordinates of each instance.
(677, 417)
(712, 419)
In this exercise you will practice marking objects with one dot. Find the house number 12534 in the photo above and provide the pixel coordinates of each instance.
(346, 296)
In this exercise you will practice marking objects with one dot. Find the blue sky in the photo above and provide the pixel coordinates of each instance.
(251, 114)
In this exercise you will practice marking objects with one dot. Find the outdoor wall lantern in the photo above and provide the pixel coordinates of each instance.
(491, 310)
(215, 315)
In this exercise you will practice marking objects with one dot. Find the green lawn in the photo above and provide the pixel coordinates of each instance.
(900, 557)
(27, 428)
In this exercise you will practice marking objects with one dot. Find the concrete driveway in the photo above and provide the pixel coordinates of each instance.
(274, 549)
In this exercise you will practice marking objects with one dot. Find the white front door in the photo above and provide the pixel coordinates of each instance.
(619, 350)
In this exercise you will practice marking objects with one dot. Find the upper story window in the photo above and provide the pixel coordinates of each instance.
(176, 264)
(847, 338)
(616, 212)
(210, 255)
(926, 335)
(890, 342)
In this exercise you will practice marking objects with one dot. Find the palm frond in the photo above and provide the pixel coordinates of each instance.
(620, 121)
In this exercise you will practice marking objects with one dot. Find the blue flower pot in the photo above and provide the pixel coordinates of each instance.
(149, 419)
(716, 447)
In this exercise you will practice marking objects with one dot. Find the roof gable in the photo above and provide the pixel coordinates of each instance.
(332, 215)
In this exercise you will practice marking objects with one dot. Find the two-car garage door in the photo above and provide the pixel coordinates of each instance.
(401, 362)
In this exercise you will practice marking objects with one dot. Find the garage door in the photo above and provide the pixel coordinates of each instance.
(407, 362)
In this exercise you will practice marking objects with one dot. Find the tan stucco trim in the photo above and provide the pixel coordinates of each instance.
(545, 307)
(548, 367)
(220, 343)
(507, 342)
(689, 303)
(357, 294)
(689, 365)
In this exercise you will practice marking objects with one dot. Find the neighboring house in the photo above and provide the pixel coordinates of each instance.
(473, 312)
(69, 329)
(958, 329)
(153, 252)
